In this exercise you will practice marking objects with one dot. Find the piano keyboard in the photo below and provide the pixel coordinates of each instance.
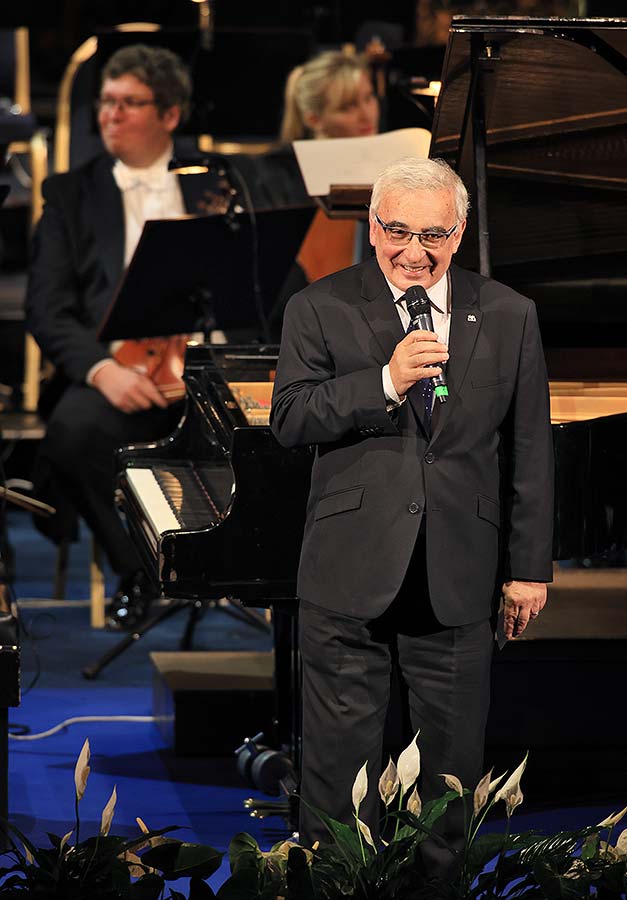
(180, 497)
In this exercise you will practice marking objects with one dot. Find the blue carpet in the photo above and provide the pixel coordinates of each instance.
(202, 796)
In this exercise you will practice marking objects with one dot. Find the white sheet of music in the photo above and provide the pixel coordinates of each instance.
(356, 160)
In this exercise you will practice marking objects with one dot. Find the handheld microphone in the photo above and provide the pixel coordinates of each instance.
(419, 309)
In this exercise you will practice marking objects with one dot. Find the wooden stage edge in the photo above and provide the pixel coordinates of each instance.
(583, 604)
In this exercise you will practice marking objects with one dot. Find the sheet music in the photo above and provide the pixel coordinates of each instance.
(355, 160)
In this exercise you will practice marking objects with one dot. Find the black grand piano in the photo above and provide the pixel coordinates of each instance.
(218, 507)
(533, 115)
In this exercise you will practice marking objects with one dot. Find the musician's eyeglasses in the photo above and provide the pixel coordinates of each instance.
(108, 104)
(430, 239)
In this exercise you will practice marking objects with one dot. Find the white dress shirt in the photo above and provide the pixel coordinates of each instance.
(149, 193)
(439, 296)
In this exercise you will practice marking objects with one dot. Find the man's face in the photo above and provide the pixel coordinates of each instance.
(138, 135)
(417, 210)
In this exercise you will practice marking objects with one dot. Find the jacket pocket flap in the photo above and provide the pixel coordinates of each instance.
(489, 381)
(340, 502)
(489, 509)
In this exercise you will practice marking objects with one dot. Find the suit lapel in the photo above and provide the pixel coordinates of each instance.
(108, 220)
(380, 312)
(382, 316)
(465, 324)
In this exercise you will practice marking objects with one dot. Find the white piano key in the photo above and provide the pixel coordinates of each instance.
(152, 500)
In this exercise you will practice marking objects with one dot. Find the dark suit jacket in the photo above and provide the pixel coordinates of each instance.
(77, 262)
(483, 479)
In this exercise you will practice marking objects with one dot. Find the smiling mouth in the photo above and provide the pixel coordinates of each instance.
(413, 269)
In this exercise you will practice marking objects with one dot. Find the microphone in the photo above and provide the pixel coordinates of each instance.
(419, 309)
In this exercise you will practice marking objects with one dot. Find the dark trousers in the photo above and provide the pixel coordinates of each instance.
(78, 454)
(347, 665)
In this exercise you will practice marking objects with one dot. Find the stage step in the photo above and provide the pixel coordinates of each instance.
(206, 703)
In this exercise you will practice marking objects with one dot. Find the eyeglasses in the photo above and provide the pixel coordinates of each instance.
(108, 104)
(431, 239)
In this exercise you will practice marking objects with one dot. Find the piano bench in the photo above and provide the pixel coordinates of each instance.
(206, 703)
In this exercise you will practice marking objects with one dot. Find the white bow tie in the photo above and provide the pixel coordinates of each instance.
(153, 178)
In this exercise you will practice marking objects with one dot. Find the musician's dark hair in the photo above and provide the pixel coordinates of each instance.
(158, 68)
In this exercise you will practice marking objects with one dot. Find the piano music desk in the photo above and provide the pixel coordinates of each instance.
(576, 401)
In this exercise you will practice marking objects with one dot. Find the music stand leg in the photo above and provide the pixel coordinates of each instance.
(92, 671)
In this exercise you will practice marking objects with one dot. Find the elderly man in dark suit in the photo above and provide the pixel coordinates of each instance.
(92, 220)
(419, 518)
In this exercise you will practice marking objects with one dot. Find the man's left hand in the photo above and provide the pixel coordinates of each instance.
(522, 600)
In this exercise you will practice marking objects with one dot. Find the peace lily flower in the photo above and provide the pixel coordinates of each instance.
(365, 831)
(453, 783)
(81, 771)
(612, 820)
(621, 843)
(107, 813)
(360, 786)
(389, 783)
(409, 764)
(65, 839)
(511, 792)
(481, 794)
(414, 803)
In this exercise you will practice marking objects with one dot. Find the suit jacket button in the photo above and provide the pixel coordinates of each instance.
(429, 457)
(413, 508)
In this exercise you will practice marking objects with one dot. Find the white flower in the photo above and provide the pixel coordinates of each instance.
(510, 792)
(389, 783)
(414, 803)
(621, 843)
(65, 839)
(482, 792)
(81, 771)
(360, 786)
(409, 764)
(365, 831)
(612, 820)
(453, 782)
(494, 784)
(107, 813)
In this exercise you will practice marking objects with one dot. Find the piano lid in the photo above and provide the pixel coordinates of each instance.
(533, 115)
(548, 77)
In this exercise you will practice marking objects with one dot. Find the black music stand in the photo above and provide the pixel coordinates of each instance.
(199, 273)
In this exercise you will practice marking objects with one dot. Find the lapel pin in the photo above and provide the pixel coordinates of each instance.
(471, 317)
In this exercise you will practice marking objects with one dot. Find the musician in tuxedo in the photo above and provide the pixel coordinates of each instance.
(91, 223)
(421, 517)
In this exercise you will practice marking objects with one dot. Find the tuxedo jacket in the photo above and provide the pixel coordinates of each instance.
(482, 479)
(77, 261)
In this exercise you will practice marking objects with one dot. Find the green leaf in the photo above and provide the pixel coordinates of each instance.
(482, 850)
(243, 849)
(345, 838)
(200, 890)
(434, 809)
(178, 859)
(556, 886)
(148, 887)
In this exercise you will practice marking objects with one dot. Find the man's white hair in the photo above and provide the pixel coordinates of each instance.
(415, 173)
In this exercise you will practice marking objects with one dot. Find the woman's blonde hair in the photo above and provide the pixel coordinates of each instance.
(306, 89)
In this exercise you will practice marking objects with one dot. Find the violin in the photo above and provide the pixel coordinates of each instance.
(162, 359)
